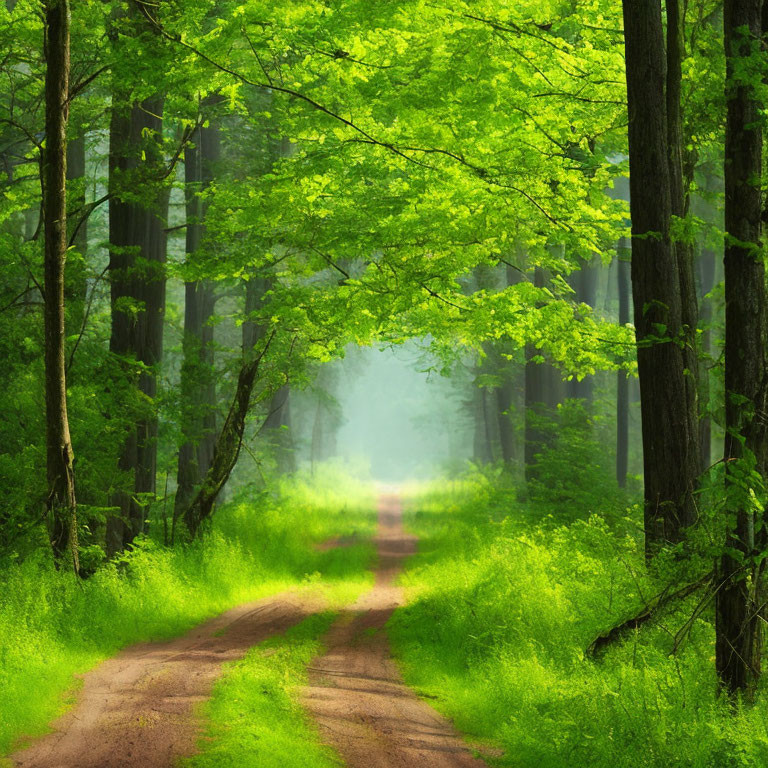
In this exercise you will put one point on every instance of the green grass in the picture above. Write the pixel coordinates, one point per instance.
(502, 604)
(255, 718)
(53, 627)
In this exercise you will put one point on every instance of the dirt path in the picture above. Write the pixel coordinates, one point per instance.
(136, 710)
(356, 693)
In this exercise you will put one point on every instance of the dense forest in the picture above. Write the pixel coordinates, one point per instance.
(383, 383)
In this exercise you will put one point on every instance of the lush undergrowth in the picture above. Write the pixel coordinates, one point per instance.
(503, 603)
(53, 626)
(255, 717)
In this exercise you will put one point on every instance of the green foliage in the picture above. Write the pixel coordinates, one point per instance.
(53, 626)
(501, 611)
(574, 476)
(255, 719)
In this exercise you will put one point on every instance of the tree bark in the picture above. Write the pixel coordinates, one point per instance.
(670, 440)
(230, 439)
(277, 430)
(197, 385)
(61, 501)
(680, 174)
(622, 378)
(584, 283)
(228, 445)
(740, 599)
(543, 392)
(506, 392)
(706, 279)
(137, 279)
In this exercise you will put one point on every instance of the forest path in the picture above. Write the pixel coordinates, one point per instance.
(356, 693)
(136, 709)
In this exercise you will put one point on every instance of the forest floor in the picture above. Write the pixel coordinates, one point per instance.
(139, 709)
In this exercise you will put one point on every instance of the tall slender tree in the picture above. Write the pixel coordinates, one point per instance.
(62, 504)
(622, 377)
(197, 383)
(137, 278)
(584, 283)
(740, 599)
(669, 425)
(681, 167)
(543, 391)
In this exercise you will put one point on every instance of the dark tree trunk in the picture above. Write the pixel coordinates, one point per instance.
(326, 422)
(584, 283)
(706, 278)
(228, 444)
(198, 386)
(230, 439)
(622, 378)
(255, 288)
(277, 430)
(535, 437)
(505, 395)
(670, 438)
(680, 173)
(318, 437)
(739, 602)
(507, 392)
(137, 278)
(543, 392)
(61, 502)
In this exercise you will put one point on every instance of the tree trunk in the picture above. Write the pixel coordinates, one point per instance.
(622, 378)
(137, 278)
(198, 386)
(680, 174)
(230, 439)
(706, 279)
(584, 283)
(61, 502)
(740, 600)
(507, 391)
(228, 445)
(505, 395)
(277, 430)
(543, 392)
(670, 440)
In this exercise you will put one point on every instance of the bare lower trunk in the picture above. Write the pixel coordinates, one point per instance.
(680, 175)
(61, 502)
(706, 283)
(76, 279)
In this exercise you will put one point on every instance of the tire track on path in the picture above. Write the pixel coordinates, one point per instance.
(136, 710)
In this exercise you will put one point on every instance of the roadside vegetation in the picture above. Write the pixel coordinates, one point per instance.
(505, 598)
